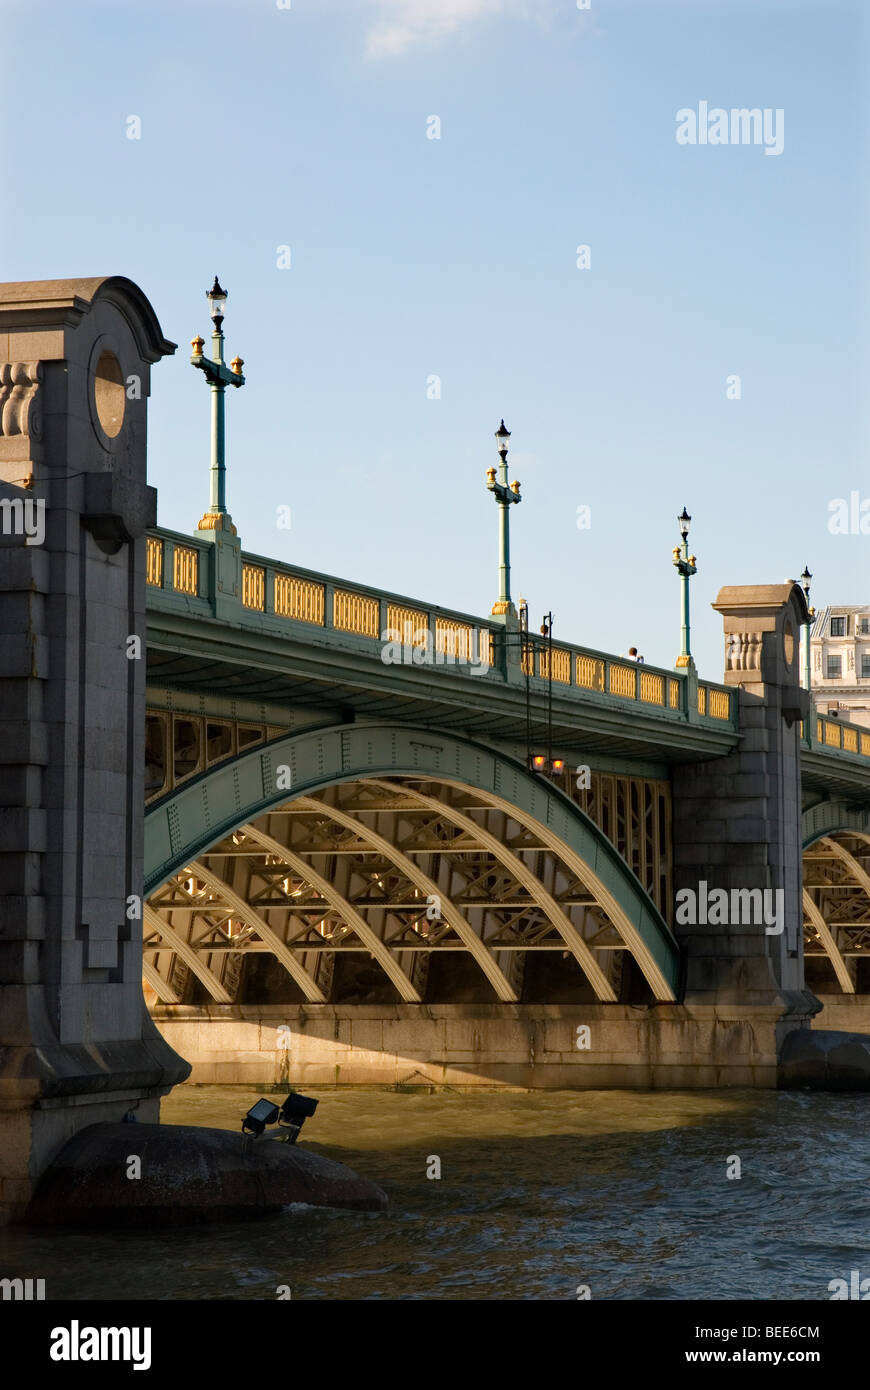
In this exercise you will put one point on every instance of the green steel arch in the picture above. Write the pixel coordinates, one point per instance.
(831, 818)
(196, 816)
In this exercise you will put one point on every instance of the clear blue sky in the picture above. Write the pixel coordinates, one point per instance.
(263, 127)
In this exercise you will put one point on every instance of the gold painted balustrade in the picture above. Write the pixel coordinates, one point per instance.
(275, 592)
(308, 601)
(299, 599)
(355, 613)
(629, 680)
(154, 562)
(833, 733)
(254, 587)
(186, 570)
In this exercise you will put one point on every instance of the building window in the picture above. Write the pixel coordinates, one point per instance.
(864, 626)
(865, 665)
(834, 668)
(838, 627)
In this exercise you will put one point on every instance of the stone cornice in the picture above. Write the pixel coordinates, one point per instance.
(38, 305)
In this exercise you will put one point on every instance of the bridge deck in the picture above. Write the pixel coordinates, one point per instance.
(298, 638)
(302, 638)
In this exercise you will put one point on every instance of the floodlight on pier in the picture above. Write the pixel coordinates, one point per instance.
(290, 1117)
(265, 1112)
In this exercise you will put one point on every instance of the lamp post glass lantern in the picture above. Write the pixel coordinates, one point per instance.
(217, 299)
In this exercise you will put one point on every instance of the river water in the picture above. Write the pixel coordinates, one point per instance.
(540, 1193)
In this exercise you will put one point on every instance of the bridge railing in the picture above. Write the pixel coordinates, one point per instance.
(276, 590)
(821, 733)
(589, 670)
(410, 632)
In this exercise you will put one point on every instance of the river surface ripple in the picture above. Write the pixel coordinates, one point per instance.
(540, 1192)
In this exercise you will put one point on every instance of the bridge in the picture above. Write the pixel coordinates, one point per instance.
(468, 815)
(349, 836)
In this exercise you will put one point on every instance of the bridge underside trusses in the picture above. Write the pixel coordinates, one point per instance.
(836, 901)
(392, 889)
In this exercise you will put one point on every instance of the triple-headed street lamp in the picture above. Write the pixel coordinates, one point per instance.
(504, 495)
(685, 567)
(219, 376)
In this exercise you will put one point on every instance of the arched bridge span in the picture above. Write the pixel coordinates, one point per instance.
(366, 857)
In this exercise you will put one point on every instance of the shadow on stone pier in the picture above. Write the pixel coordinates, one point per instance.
(823, 1060)
(187, 1174)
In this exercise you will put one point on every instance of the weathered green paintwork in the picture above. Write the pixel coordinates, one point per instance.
(504, 496)
(839, 817)
(830, 771)
(246, 654)
(263, 654)
(685, 570)
(218, 376)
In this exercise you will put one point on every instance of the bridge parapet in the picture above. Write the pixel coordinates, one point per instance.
(288, 600)
(834, 759)
(819, 733)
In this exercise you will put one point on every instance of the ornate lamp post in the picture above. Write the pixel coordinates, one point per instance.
(504, 495)
(218, 376)
(805, 584)
(685, 567)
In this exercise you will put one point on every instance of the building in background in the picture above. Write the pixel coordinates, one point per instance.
(840, 661)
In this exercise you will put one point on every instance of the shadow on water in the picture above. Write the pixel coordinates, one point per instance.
(539, 1193)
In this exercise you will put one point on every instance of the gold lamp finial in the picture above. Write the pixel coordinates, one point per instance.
(197, 345)
(237, 364)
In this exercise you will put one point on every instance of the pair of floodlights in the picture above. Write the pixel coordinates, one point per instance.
(290, 1117)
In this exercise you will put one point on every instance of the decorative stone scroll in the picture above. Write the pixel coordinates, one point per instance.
(19, 410)
(743, 651)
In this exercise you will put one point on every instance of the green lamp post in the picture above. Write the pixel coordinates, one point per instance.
(504, 496)
(219, 376)
(685, 567)
(805, 583)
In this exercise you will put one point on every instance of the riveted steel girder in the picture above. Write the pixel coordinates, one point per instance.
(348, 913)
(563, 924)
(176, 942)
(449, 912)
(828, 943)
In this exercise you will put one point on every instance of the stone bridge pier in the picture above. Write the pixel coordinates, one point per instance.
(76, 1044)
(737, 825)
